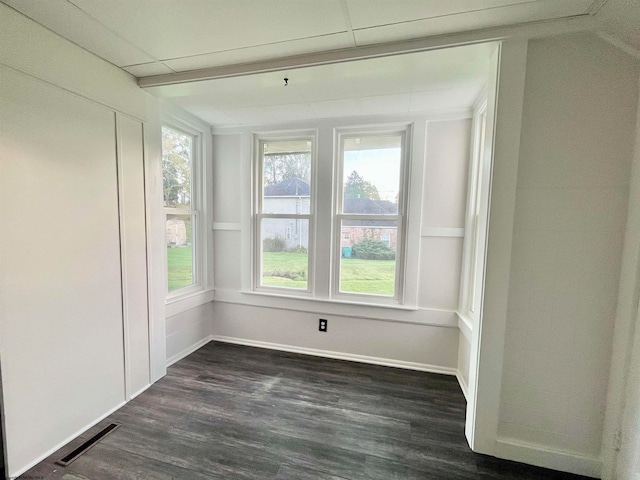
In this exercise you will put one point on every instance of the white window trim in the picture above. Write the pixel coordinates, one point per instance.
(324, 129)
(257, 215)
(469, 260)
(405, 131)
(201, 291)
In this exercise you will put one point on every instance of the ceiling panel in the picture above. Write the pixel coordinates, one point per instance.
(250, 115)
(211, 116)
(290, 113)
(385, 104)
(371, 13)
(435, 100)
(169, 29)
(495, 17)
(73, 24)
(347, 107)
(263, 52)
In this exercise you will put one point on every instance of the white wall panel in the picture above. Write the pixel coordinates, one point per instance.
(445, 179)
(134, 252)
(227, 162)
(188, 331)
(464, 353)
(62, 337)
(571, 202)
(440, 264)
(427, 346)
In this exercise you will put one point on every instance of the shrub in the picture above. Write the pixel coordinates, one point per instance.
(275, 244)
(297, 250)
(370, 249)
(290, 274)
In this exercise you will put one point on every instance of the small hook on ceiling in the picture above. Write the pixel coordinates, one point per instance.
(286, 82)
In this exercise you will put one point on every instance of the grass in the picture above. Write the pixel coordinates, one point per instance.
(357, 276)
(289, 270)
(180, 267)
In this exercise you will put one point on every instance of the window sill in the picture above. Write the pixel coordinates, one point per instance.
(341, 308)
(395, 306)
(182, 303)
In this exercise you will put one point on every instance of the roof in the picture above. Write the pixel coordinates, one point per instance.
(288, 188)
(370, 207)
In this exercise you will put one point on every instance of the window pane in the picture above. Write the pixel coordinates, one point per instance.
(177, 161)
(285, 259)
(286, 176)
(368, 257)
(180, 251)
(371, 174)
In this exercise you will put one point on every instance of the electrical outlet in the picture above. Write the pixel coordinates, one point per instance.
(322, 325)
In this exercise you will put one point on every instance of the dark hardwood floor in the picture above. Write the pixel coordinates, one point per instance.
(229, 411)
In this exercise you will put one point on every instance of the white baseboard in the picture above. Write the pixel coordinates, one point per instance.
(49, 452)
(542, 456)
(463, 385)
(387, 362)
(188, 351)
(142, 390)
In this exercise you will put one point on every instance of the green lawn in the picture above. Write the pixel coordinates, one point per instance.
(285, 269)
(180, 267)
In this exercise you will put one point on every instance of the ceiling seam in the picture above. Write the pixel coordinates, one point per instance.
(596, 6)
(126, 40)
(270, 44)
(460, 13)
(59, 35)
(345, 8)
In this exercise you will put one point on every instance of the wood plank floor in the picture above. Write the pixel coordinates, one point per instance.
(230, 411)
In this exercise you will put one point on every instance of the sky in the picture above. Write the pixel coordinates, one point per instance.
(381, 167)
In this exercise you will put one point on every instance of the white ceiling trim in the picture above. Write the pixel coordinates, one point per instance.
(527, 30)
(341, 121)
(616, 42)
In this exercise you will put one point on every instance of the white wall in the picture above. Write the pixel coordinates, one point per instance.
(74, 338)
(571, 202)
(62, 350)
(622, 421)
(188, 312)
(187, 331)
(424, 338)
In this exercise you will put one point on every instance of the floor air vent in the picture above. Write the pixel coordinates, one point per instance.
(86, 446)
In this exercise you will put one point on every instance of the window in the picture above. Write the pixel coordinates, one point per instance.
(371, 208)
(345, 243)
(284, 209)
(181, 208)
(476, 203)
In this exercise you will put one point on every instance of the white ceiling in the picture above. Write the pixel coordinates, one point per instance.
(155, 37)
(150, 37)
(411, 83)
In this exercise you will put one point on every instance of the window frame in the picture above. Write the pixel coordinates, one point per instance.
(468, 293)
(258, 215)
(340, 134)
(197, 213)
